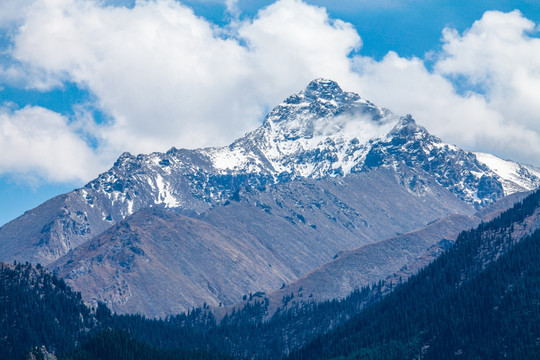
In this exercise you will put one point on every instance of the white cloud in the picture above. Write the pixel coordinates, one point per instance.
(232, 8)
(169, 78)
(12, 11)
(38, 144)
(18, 75)
(500, 55)
(497, 63)
(471, 121)
(292, 43)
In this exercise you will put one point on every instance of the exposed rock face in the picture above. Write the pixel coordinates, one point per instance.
(391, 260)
(160, 262)
(40, 353)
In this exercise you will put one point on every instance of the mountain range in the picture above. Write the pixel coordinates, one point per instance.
(326, 174)
(478, 299)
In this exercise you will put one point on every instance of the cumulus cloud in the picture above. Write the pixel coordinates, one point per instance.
(291, 42)
(166, 77)
(471, 121)
(499, 55)
(39, 144)
(482, 94)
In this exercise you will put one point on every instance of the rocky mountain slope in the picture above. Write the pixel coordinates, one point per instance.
(327, 171)
(478, 300)
(392, 260)
(160, 262)
(514, 177)
(320, 132)
(369, 264)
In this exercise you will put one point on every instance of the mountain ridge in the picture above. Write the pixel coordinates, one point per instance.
(320, 160)
(288, 229)
(321, 131)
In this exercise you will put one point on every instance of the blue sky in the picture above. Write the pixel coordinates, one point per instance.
(82, 81)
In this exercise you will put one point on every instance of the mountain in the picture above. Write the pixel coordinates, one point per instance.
(257, 243)
(369, 264)
(327, 171)
(514, 177)
(393, 260)
(318, 133)
(478, 300)
(497, 250)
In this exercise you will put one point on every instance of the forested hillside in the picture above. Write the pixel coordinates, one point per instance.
(36, 308)
(480, 300)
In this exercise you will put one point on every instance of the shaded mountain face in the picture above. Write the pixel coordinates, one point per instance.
(321, 132)
(392, 260)
(478, 300)
(159, 262)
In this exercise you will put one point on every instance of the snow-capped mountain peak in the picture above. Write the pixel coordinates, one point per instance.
(322, 131)
(323, 109)
(514, 177)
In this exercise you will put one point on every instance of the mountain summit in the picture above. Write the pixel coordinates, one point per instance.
(324, 131)
(321, 131)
